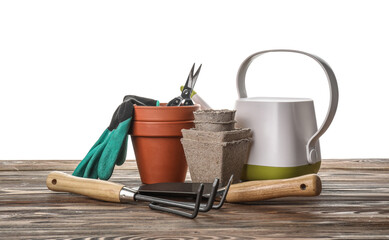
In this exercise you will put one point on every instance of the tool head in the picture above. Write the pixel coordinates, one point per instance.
(192, 78)
(187, 190)
(180, 189)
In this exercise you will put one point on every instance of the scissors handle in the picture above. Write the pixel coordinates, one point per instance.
(178, 102)
(175, 101)
(188, 102)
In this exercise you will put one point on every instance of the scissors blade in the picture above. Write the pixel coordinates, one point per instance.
(195, 76)
(191, 81)
(188, 83)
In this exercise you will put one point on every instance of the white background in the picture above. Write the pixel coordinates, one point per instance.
(66, 65)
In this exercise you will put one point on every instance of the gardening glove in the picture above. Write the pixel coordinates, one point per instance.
(111, 148)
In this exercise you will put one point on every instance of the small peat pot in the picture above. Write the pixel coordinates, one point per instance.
(215, 126)
(216, 154)
(211, 115)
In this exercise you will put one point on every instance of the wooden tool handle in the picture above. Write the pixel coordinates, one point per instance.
(251, 191)
(93, 188)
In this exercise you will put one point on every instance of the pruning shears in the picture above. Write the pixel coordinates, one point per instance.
(185, 99)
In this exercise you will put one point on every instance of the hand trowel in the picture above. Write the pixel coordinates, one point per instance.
(308, 185)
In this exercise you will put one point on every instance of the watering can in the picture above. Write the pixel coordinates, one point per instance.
(285, 136)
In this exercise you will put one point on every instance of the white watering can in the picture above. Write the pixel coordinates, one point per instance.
(285, 136)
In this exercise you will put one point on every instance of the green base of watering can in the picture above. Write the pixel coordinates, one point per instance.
(255, 172)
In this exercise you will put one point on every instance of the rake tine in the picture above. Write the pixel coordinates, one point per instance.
(209, 205)
(195, 208)
(223, 198)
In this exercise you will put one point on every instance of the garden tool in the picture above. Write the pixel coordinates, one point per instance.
(114, 192)
(185, 98)
(111, 147)
(285, 135)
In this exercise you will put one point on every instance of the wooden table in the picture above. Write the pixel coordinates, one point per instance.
(354, 204)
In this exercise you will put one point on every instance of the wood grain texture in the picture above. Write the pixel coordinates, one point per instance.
(307, 185)
(354, 204)
(93, 188)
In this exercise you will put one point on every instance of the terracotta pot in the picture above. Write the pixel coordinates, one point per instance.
(156, 134)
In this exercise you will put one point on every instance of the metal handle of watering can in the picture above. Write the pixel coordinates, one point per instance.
(334, 94)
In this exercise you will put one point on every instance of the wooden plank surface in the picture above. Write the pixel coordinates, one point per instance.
(354, 204)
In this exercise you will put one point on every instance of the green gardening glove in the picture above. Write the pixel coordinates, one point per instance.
(111, 148)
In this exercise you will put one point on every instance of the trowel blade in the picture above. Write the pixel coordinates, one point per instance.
(174, 189)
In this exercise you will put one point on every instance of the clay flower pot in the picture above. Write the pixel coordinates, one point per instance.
(156, 134)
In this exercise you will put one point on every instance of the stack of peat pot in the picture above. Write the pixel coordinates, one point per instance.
(214, 148)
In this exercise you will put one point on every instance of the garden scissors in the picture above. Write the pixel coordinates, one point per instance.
(184, 98)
